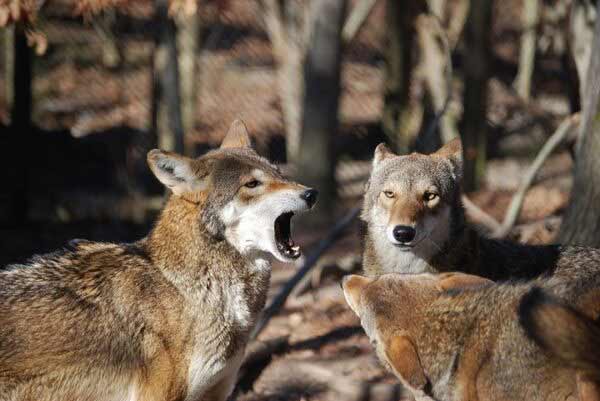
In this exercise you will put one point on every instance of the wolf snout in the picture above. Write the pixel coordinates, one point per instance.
(310, 196)
(404, 233)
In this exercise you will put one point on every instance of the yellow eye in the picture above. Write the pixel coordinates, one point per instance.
(388, 194)
(429, 196)
(252, 184)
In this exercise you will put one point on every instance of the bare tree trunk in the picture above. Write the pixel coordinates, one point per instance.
(452, 18)
(106, 27)
(581, 34)
(522, 82)
(581, 222)
(316, 157)
(291, 85)
(166, 107)
(14, 201)
(9, 64)
(356, 19)
(476, 73)
(437, 8)
(436, 70)
(398, 55)
(287, 26)
(457, 21)
(22, 76)
(188, 35)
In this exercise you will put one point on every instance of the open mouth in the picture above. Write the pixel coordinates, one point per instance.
(283, 237)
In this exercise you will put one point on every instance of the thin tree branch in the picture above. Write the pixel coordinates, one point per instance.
(522, 82)
(433, 125)
(356, 19)
(479, 216)
(516, 203)
(273, 19)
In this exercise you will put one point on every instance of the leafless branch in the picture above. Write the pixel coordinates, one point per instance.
(501, 230)
(522, 82)
(448, 77)
(356, 19)
(516, 203)
(480, 217)
(272, 15)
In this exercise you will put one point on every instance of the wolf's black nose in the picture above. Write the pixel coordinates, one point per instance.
(404, 233)
(310, 196)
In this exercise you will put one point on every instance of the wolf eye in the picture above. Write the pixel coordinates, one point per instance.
(429, 196)
(389, 194)
(252, 184)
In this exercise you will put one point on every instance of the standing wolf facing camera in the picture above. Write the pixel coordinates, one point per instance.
(415, 223)
(164, 318)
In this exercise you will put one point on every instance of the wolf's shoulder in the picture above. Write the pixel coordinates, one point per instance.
(575, 261)
(578, 254)
(79, 260)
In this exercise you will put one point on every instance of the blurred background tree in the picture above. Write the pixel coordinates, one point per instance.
(581, 222)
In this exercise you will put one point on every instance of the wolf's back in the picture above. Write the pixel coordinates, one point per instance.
(562, 330)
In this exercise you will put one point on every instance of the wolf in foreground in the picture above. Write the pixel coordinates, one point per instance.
(167, 317)
(567, 334)
(415, 223)
(455, 336)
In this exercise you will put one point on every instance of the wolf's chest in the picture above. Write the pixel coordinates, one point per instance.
(395, 260)
(236, 306)
(206, 370)
(243, 300)
(228, 314)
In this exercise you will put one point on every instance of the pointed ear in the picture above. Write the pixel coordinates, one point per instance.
(403, 358)
(460, 281)
(451, 149)
(353, 286)
(453, 152)
(179, 173)
(237, 136)
(382, 152)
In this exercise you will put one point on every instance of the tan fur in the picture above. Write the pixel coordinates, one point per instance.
(567, 334)
(163, 319)
(238, 136)
(398, 193)
(459, 337)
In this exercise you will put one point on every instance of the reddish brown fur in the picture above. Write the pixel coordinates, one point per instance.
(405, 212)
(456, 336)
(165, 318)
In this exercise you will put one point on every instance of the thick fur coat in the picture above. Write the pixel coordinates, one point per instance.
(166, 318)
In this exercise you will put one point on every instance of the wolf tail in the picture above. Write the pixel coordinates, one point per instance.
(562, 330)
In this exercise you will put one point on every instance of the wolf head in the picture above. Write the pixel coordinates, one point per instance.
(391, 309)
(240, 196)
(409, 200)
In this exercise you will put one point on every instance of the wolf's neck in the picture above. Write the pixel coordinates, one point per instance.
(182, 247)
(441, 342)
